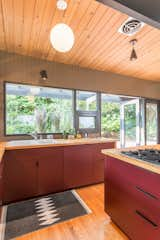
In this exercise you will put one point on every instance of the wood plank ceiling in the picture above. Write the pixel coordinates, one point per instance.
(25, 27)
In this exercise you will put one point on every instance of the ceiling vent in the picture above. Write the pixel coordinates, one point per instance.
(131, 26)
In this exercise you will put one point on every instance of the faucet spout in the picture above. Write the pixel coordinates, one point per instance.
(34, 135)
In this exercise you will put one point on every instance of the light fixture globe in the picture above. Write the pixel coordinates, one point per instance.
(61, 5)
(62, 37)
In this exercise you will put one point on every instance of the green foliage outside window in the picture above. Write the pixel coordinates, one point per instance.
(110, 119)
(27, 114)
(130, 122)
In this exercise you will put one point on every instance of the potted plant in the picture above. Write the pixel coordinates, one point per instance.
(65, 134)
(71, 134)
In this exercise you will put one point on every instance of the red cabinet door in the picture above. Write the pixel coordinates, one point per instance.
(98, 160)
(50, 170)
(1, 186)
(19, 175)
(78, 166)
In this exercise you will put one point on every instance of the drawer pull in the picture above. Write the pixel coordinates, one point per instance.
(37, 164)
(147, 193)
(146, 218)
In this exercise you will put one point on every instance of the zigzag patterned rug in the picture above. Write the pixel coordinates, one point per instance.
(31, 215)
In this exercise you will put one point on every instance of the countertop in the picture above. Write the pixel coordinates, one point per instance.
(116, 153)
(26, 144)
(19, 144)
(2, 150)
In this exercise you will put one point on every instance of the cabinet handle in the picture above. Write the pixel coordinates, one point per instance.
(37, 164)
(146, 218)
(146, 193)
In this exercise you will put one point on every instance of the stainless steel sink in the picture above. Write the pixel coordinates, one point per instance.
(31, 142)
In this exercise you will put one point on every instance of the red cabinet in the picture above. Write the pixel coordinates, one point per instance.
(98, 160)
(39, 171)
(84, 164)
(78, 166)
(131, 200)
(1, 185)
(19, 175)
(50, 170)
(32, 172)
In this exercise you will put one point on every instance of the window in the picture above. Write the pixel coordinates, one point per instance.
(130, 124)
(86, 101)
(40, 109)
(151, 123)
(45, 110)
(110, 116)
(87, 114)
(87, 122)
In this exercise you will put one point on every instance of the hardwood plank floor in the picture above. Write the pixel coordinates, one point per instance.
(94, 226)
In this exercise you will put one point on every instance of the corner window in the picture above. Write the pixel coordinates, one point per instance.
(40, 109)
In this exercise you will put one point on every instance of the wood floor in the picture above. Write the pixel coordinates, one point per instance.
(94, 226)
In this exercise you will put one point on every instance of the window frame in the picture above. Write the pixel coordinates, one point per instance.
(79, 110)
(154, 101)
(84, 113)
(77, 113)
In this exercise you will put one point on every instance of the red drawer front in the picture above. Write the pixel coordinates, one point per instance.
(141, 226)
(130, 215)
(148, 181)
(147, 200)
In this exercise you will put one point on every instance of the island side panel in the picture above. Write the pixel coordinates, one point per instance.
(127, 201)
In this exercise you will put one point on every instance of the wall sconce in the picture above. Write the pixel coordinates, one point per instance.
(43, 75)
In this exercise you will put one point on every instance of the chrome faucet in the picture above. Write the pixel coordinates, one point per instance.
(34, 135)
(86, 135)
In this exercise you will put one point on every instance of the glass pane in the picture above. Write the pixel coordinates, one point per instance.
(130, 124)
(86, 101)
(86, 122)
(110, 116)
(41, 109)
(151, 123)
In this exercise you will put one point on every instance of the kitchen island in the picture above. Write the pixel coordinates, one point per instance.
(31, 168)
(132, 193)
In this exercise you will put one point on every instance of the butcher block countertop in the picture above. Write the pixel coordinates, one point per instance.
(2, 149)
(42, 143)
(116, 153)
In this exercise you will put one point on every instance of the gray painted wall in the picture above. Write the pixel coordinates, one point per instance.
(21, 69)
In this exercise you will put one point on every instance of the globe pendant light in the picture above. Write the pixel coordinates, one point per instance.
(62, 37)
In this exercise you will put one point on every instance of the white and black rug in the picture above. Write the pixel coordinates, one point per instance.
(31, 215)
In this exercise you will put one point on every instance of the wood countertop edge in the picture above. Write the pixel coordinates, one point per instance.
(115, 153)
(4, 147)
(60, 144)
(2, 150)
